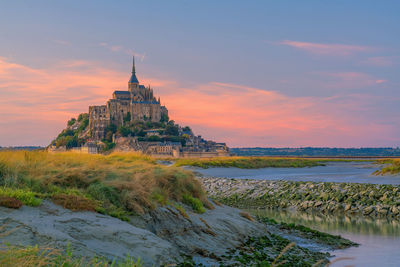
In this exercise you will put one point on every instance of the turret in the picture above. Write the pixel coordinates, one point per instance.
(133, 81)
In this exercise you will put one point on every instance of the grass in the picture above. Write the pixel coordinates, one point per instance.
(246, 216)
(249, 162)
(119, 183)
(195, 203)
(27, 197)
(50, 257)
(392, 167)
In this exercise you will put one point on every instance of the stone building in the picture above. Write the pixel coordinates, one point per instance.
(138, 103)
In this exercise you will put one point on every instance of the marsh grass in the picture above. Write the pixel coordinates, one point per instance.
(118, 183)
(51, 257)
(249, 162)
(392, 166)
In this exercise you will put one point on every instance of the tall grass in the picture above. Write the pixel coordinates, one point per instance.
(119, 180)
(51, 257)
(249, 162)
(392, 167)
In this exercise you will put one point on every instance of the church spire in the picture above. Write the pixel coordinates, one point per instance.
(133, 64)
(133, 78)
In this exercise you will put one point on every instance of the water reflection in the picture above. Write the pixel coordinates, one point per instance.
(335, 223)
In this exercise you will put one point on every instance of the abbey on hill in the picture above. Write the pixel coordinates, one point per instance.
(134, 120)
(138, 103)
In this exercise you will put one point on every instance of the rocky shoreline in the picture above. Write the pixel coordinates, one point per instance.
(222, 236)
(325, 197)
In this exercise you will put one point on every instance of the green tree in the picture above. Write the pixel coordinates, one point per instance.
(127, 117)
(172, 130)
(164, 118)
(186, 129)
(123, 130)
(71, 122)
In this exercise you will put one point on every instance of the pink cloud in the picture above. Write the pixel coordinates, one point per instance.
(245, 116)
(35, 105)
(327, 49)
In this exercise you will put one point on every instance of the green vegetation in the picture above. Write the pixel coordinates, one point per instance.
(27, 197)
(334, 241)
(392, 167)
(273, 250)
(116, 184)
(50, 257)
(71, 138)
(249, 162)
(195, 203)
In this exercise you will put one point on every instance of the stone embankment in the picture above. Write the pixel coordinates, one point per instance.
(349, 198)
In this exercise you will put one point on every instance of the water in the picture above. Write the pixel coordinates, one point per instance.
(355, 172)
(379, 239)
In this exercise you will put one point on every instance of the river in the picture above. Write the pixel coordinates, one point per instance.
(341, 172)
(379, 239)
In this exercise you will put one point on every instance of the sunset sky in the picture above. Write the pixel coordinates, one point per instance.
(248, 73)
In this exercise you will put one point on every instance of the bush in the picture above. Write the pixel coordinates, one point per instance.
(195, 203)
(104, 193)
(74, 202)
(84, 124)
(27, 197)
(71, 122)
(123, 130)
(10, 202)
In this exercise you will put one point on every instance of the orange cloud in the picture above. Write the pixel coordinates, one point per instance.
(35, 105)
(327, 49)
(245, 116)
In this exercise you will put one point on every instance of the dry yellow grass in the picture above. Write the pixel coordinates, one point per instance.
(247, 216)
(129, 180)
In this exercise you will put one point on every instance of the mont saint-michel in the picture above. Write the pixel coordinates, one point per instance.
(134, 120)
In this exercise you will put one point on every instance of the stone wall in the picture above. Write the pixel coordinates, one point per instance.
(99, 119)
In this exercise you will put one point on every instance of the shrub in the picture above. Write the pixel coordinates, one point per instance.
(74, 202)
(104, 193)
(27, 197)
(195, 203)
(71, 122)
(10, 202)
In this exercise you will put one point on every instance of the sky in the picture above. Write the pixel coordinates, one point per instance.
(248, 73)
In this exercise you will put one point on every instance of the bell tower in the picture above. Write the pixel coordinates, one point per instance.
(133, 81)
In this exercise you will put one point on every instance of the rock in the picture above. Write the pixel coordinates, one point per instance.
(395, 210)
(368, 210)
(347, 207)
(88, 233)
(158, 238)
(381, 210)
(318, 204)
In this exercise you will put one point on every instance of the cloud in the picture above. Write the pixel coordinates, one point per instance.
(327, 49)
(36, 108)
(122, 49)
(246, 116)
